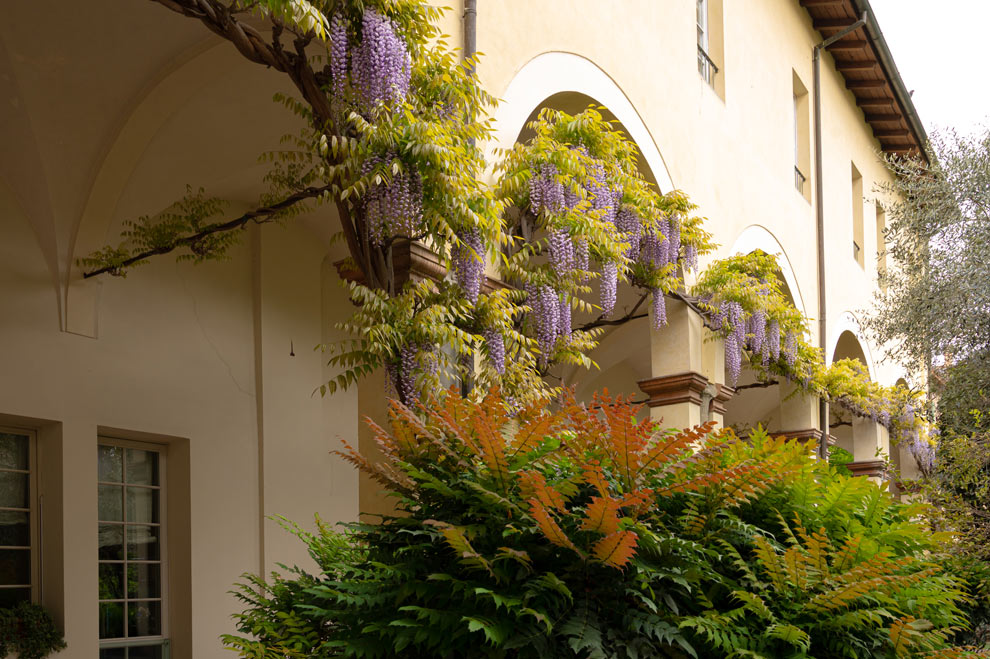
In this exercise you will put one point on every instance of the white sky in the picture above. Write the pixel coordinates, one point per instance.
(942, 49)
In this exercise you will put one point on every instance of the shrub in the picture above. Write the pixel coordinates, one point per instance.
(588, 532)
(28, 630)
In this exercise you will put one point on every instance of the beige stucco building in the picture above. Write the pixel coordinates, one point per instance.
(152, 423)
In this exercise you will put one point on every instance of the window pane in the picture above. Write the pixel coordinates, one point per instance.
(146, 652)
(144, 580)
(142, 505)
(111, 581)
(144, 618)
(14, 490)
(142, 543)
(110, 464)
(113, 653)
(13, 596)
(142, 467)
(15, 529)
(111, 506)
(13, 451)
(111, 619)
(15, 567)
(111, 542)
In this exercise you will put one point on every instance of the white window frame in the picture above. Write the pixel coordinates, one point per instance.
(161, 450)
(34, 518)
(702, 20)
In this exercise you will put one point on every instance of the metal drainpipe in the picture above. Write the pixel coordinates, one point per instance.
(470, 28)
(470, 48)
(820, 213)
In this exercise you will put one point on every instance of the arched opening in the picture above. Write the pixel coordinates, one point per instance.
(774, 405)
(623, 353)
(847, 429)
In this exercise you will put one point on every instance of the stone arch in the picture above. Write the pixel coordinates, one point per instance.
(759, 237)
(558, 72)
(847, 329)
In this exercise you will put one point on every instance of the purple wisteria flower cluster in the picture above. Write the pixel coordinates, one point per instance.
(469, 263)
(753, 331)
(495, 343)
(380, 66)
(402, 375)
(551, 316)
(394, 207)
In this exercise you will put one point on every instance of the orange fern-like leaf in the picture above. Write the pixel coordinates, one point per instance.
(548, 525)
(492, 446)
(533, 485)
(616, 549)
(601, 515)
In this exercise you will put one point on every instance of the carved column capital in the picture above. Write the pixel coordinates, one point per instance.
(672, 389)
(868, 468)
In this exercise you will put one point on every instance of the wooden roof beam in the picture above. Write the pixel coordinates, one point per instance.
(820, 3)
(884, 133)
(866, 84)
(847, 44)
(832, 23)
(850, 67)
(874, 118)
(875, 103)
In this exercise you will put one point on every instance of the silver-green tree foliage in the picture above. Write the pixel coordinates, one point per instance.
(393, 124)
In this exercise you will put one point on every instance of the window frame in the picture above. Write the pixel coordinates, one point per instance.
(163, 638)
(33, 510)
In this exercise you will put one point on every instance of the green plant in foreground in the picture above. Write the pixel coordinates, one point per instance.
(588, 532)
(28, 630)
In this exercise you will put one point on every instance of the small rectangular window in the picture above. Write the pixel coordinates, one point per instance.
(18, 526)
(881, 247)
(802, 137)
(131, 533)
(709, 27)
(857, 215)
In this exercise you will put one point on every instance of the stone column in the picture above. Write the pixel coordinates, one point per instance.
(868, 438)
(683, 391)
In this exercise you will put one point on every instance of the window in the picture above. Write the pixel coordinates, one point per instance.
(131, 547)
(857, 215)
(802, 144)
(18, 528)
(881, 248)
(709, 26)
(706, 67)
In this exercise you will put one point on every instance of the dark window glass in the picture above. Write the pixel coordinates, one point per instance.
(144, 618)
(15, 567)
(15, 490)
(111, 619)
(15, 529)
(111, 538)
(14, 451)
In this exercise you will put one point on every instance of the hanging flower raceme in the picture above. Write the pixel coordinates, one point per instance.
(380, 66)
(691, 256)
(468, 257)
(609, 287)
(758, 330)
(561, 252)
(338, 54)
(546, 193)
(545, 304)
(392, 207)
(790, 348)
(735, 340)
(773, 339)
(658, 311)
(627, 222)
(564, 317)
(495, 344)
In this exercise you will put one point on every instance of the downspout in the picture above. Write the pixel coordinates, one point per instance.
(820, 214)
(470, 19)
(470, 29)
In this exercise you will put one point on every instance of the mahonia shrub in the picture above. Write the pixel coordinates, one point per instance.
(588, 531)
